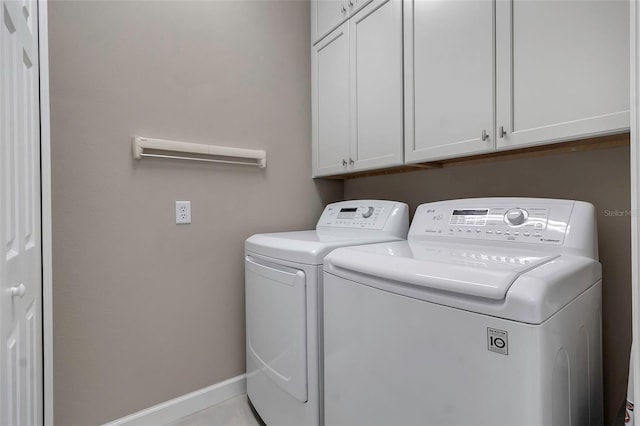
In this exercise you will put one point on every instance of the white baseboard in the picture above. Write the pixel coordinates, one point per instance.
(185, 405)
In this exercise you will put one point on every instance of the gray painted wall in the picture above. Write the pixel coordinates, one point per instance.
(145, 310)
(600, 177)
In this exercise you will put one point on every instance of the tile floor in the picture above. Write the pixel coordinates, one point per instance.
(232, 412)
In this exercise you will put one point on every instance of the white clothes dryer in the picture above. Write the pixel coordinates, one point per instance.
(283, 277)
(489, 314)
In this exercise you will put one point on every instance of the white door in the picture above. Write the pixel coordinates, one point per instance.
(376, 86)
(21, 388)
(562, 70)
(330, 103)
(449, 78)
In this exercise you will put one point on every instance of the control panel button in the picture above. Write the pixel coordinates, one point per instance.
(368, 213)
(516, 216)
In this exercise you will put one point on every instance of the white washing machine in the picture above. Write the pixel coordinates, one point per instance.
(283, 277)
(489, 314)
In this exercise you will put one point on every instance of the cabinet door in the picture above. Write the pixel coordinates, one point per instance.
(376, 85)
(449, 78)
(562, 70)
(327, 15)
(356, 5)
(330, 103)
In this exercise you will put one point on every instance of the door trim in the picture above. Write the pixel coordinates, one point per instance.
(635, 192)
(45, 170)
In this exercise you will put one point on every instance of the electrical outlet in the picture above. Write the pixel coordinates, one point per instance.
(183, 212)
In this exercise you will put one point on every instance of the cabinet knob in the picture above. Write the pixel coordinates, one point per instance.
(485, 135)
(344, 163)
(351, 3)
(351, 161)
(502, 132)
(343, 9)
(18, 291)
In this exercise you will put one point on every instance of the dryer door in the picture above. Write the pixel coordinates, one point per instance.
(276, 324)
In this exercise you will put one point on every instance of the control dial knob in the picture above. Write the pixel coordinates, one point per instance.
(368, 213)
(516, 216)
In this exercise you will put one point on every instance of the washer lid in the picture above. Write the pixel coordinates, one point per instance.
(472, 270)
(311, 247)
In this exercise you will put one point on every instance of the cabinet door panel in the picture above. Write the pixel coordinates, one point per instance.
(563, 70)
(330, 103)
(356, 5)
(376, 85)
(327, 15)
(449, 78)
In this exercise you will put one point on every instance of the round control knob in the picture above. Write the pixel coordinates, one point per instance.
(368, 213)
(516, 216)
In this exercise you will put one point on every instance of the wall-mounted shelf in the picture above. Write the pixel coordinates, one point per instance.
(161, 148)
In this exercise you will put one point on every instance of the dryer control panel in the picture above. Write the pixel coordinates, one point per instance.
(526, 220)
(364, 214)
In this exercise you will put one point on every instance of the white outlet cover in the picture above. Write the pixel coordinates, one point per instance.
(183, 212)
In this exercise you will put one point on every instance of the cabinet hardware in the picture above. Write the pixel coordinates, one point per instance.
(343, 9)
(351, 3)
(503, 132)
(344, 163)
(18, 291)
(485, 135)
(351, 161)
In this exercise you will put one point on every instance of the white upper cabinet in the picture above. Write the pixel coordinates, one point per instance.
(562, 70)
(357, 106)
(449, 78)
(326, 15)
(376, 86)
(330, 103)
(482, 75)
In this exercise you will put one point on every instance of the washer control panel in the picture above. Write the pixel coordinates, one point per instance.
(541, 221)
(365, 214)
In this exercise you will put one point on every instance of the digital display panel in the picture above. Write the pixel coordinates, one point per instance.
(347, 213)
(470, 212)
(469, 217)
